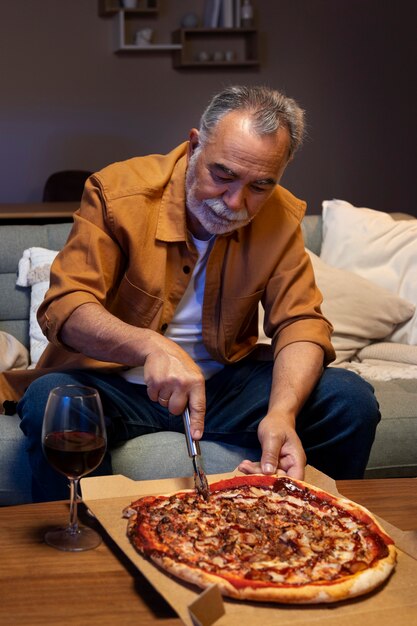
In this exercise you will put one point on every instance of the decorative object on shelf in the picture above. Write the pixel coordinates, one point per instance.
(229, 56)
(107, 8)
(237, 16)
(203, 56)
(212, 13)
(190, 20)
(144, 37)
(246, 14)
(227, 15)
(218, 56)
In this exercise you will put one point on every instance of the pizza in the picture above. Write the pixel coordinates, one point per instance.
(264, 538)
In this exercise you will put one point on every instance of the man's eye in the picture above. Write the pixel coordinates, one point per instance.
(221, 179)
(257, 189)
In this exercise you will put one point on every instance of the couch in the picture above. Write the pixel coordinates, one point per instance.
(394, 453)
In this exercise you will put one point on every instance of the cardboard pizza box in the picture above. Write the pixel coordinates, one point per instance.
(394, 603)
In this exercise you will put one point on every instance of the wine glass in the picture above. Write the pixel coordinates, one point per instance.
(74, 442)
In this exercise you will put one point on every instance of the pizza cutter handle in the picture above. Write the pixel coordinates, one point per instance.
(193, 446)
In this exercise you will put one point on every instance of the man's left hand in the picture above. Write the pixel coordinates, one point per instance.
(282, 450)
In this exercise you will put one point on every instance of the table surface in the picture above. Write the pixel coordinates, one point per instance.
(44, 211)
(40, 585)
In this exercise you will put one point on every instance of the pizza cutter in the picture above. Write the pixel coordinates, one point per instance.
(193, 447)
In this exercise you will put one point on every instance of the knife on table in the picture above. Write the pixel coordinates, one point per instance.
(193, 447)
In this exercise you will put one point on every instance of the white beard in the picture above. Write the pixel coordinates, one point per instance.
(213, 214)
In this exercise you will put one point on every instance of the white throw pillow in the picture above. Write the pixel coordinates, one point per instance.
(377, 247)
(360, 311)
(34, 270)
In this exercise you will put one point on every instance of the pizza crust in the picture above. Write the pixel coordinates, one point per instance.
(348, 586)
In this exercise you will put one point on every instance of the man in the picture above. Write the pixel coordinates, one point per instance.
(154, 301)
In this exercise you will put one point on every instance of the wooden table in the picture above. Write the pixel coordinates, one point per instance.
(37, 212)
(40, 585)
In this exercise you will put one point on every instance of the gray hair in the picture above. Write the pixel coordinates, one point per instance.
(268, 108)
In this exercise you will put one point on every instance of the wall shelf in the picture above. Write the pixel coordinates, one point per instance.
(192, 48)
(163, 47)
(111, 7)
(125, 39)
(223, 47)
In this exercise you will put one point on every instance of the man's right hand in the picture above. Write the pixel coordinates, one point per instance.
(175, 381)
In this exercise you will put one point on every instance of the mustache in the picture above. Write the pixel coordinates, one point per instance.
(221, 209)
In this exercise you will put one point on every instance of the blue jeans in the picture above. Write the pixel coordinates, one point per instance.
(336, 425)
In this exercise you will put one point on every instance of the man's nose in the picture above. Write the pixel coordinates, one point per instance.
(234, 197)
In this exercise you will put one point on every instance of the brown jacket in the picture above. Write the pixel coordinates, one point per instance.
(129, 250)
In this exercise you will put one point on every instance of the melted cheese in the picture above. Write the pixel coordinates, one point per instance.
(261, 533)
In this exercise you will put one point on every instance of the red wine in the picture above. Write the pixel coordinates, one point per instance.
(74, 453)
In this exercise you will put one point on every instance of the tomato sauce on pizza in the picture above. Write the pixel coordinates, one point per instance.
(265, 538)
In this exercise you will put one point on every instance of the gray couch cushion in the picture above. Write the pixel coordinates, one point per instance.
(14, 310)
(394, 453)
(15, 472)
(311, 228)
(15, 239)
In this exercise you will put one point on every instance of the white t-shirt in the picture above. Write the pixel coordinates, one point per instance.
(185, 327)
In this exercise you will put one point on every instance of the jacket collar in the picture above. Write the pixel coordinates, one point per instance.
(172, 224)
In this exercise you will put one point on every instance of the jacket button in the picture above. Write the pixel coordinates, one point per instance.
(164, 327)
(186, 269)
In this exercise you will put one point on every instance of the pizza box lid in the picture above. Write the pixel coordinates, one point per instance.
(395, 602)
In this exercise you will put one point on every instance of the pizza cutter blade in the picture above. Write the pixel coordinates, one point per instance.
(193, 447)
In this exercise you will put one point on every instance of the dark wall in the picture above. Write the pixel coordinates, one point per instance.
(67, 101)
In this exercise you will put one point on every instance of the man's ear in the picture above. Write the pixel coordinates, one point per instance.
(194, 141)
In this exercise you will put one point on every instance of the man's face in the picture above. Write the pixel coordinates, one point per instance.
(231, 177)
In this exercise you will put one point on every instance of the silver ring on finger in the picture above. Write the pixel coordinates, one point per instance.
(162, 400)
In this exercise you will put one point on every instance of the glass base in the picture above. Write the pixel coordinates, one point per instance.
(71, 540)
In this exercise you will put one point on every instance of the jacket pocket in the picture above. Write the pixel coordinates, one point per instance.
(239, 320)
(135, 306)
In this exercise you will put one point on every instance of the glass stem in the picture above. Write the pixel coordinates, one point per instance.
(73, 523)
